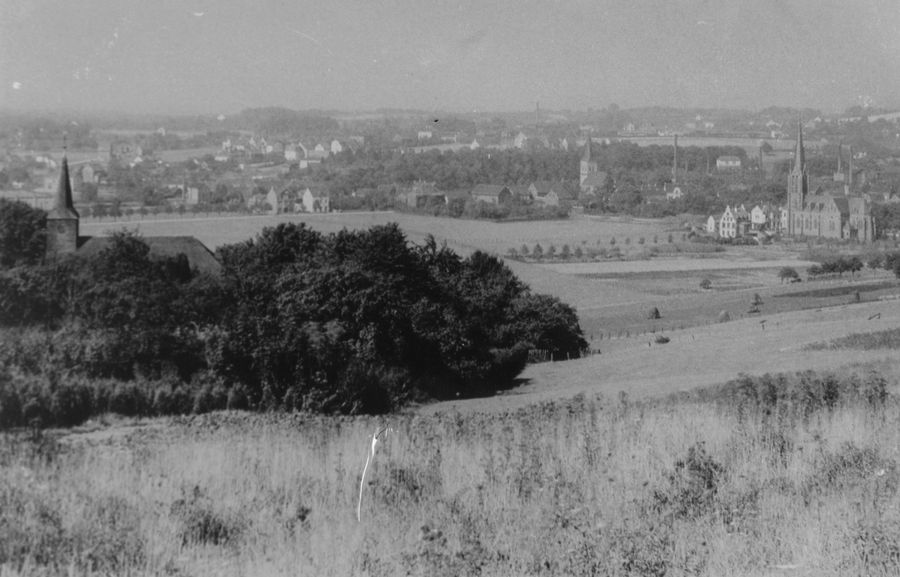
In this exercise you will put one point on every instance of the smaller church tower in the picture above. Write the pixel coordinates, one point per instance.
(798, 185)
(588, 164)
(62, 220)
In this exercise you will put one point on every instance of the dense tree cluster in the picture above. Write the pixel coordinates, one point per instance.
(361, 321)
(462, 170)
(348, 322)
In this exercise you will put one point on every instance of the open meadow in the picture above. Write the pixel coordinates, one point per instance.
(784, 475)
(765, 445)
(612, 297)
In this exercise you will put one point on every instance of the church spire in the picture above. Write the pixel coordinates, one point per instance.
(586, 157)
(799, 154)
(63, 206)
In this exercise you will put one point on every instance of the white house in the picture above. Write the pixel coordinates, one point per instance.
(711, 224)
(318, 153)
(674, 194)
(272, 200)
(758, 218)
(336, 147)
(314, 203)
(294, 152)
(728, 224)
(728, 163)
(520, 140)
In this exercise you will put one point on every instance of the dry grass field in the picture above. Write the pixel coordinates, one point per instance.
(632, 462)
(568, 488)
(703, 356)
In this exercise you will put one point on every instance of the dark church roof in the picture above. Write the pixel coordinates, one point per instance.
(199, 257)
(63, 207)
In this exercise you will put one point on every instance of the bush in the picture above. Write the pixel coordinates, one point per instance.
(129, 399)
(237, 399)
(10, 403)
(653, 313)
(210, 397)
(692, 485)
(200, 523)
(72, 403)
(706, 284)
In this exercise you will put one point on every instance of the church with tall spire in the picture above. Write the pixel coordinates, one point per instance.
(63, 238)
(844, 216)
(62, 220)
(591, 179)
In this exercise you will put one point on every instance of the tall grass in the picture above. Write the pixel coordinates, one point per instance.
(799, 471)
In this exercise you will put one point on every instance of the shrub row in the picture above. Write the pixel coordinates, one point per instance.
(42, 402)
(804, 392)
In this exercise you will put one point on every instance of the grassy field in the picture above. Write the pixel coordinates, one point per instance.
(611, 297)
(735, 487)
(462, 235)
(632, 462)
(702, 356)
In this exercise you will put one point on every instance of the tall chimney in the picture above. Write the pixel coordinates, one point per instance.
(675, 162)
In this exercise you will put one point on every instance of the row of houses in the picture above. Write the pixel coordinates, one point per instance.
(292, 151)
(737, 221)
(542, 193)
(289, 200)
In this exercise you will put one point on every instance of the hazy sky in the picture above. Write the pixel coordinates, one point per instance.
(215, 56)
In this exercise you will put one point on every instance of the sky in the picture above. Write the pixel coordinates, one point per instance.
(221, 56)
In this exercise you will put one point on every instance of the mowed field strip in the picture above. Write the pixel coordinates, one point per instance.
(462, 235)
(700, 356)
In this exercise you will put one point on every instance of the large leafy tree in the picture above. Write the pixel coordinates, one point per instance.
(22, 234)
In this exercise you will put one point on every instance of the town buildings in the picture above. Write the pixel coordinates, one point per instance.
(832, 211)
(824, 215)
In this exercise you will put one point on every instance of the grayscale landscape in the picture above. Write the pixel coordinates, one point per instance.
(538, 288)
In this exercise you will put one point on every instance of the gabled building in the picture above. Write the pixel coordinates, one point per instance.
(492, 193)
(315, 202)
(758, 218)
(423, 195)
(546, 193)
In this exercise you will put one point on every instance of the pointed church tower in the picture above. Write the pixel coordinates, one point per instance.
(62, 220)
(588, 164)
(798, 185)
